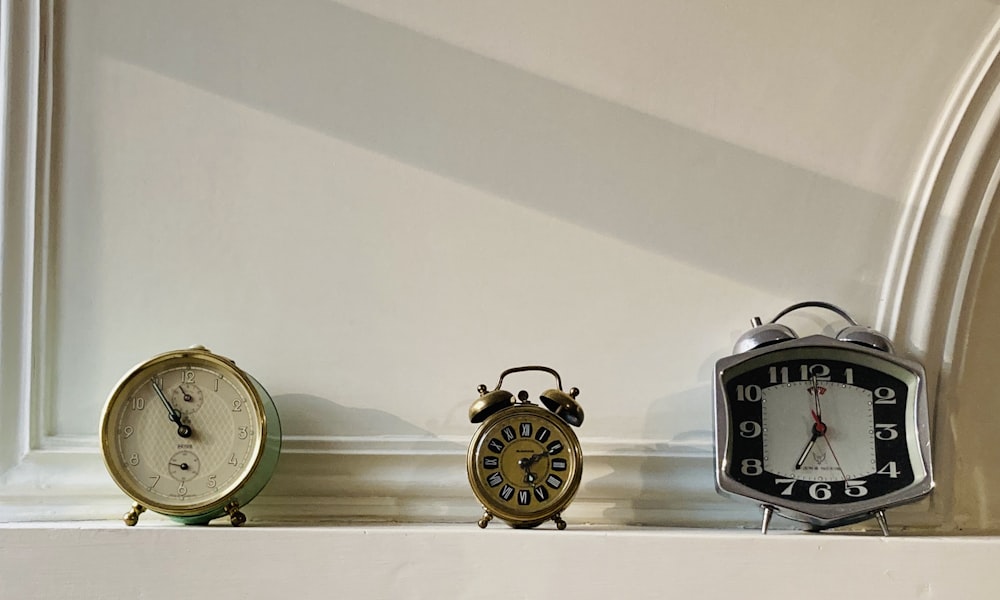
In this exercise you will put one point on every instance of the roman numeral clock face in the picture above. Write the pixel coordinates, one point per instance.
(524, 465)
(825, 434)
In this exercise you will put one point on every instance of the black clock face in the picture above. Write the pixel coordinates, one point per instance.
(821, 426)
(524, 464)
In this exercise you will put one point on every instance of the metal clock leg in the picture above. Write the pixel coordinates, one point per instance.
(560, 524)
(766, 520)
(882, 523)
(236, 517)
(487, 517)
(132, 516)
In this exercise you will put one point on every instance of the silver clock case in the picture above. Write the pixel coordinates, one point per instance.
(819, 515)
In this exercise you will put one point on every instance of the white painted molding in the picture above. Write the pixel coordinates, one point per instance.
(320, 479)
(25, 28)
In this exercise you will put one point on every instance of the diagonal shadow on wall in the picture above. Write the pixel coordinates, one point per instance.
(527, 139)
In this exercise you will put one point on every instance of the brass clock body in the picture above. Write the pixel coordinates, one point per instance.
(525, 462)
(190, 435)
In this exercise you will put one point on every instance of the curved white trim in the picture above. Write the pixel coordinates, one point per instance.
(929, 267)
(934, 272)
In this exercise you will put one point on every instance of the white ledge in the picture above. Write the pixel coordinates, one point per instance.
(163, 560)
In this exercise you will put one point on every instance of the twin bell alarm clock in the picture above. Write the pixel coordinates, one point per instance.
(823, 430)
(525, 462)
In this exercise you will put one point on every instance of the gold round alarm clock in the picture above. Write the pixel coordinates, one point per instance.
(525, 462)
(190, 435)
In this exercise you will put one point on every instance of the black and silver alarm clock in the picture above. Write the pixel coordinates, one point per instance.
(822, 430)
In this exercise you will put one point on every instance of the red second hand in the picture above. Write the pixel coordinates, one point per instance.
(821, 429)
(835, 459)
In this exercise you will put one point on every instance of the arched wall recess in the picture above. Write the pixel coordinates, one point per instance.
(938, 277)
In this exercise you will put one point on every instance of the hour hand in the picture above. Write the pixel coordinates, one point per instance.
(172, 413)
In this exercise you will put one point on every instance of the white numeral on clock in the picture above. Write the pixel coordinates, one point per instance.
(788, 489)
(855, 488)
(820, 491)
(889, 469)
(751, 467)
(886, 431)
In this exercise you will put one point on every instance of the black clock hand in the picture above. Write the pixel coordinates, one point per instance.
(183, 466)
(815, 390)
(819, 428)
(172, 413)
(537, 457)
(805, 451)
(187, 396)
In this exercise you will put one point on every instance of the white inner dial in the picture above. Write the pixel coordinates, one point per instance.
(818, 431)
(176, 471)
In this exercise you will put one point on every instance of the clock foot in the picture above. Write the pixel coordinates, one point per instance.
(560, 524)
(882, 523)
(766, 519)
(487, 517)
(236, 517)
(132, 516)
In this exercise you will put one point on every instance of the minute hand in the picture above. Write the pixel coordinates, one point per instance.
(172, 413)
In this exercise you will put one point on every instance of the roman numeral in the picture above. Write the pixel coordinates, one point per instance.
(523, 497)
(495, 479)
(555, 447)
(491, 462)
(554, 481)
(526, 430)
(506, 492)
(496, 445)
(558, 464)
(541, 493)
(542, 434)
(508, 433)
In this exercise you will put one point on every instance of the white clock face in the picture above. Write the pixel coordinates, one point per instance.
(791, 448)
(182, 434)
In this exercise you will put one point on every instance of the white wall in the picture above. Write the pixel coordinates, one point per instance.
(376, 206)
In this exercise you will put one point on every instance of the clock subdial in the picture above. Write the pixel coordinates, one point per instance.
(187, 398)
(184, 466)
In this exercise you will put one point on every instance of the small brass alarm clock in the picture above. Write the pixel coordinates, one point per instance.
(524, 461)
(825, 431)
(190, 435)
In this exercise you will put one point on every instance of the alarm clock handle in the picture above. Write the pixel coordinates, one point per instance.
(816, 304)
(548, 370)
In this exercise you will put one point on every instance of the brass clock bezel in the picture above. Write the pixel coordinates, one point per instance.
(516, 518)
(136, 376)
